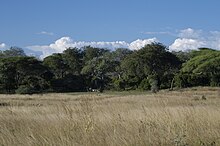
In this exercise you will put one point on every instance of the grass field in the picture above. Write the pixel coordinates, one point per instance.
(181, 118)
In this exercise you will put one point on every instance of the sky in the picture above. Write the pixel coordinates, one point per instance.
(49, 26)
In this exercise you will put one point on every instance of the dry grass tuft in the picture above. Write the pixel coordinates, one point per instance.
(181, 118)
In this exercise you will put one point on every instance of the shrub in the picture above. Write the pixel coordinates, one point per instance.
(144, 85)
(154, 82)
(25, 89)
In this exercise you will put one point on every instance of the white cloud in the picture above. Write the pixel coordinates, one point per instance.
(65, 42)
(2, 45)
(136, 45)
(191, 39)
(184, 44)
(190, 33)
(46, 33)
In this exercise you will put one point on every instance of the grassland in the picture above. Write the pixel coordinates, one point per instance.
(181, 118)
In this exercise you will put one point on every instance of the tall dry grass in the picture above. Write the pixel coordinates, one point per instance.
(181, 118)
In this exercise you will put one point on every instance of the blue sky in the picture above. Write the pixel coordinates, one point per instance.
(40, 23)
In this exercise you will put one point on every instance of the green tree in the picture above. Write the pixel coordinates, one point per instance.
(98, 71)
(20, 71)
(73, 59)
(183, 56)
(91, 52)
(14, 52)
(203, 68)
(57, 65)
(152, 62)
(8, 75)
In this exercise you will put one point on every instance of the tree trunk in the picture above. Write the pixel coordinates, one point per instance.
(172, 82)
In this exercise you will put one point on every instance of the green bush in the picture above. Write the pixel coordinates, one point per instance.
(154, 83)
(24, 89)
(183, 80)
(144, 85)
(215, 80)
(119, 84)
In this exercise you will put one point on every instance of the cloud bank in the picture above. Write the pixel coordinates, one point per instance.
(191, 39)
(187, 39)
(65, 42)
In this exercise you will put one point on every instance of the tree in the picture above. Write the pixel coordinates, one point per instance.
(91, 52)
(152, 62)
(73, 59)
(22, 71)
(69, 83)
(98, 71)
(56, 64)
(8, 75)
(183, 56)
(2, 54)
(202, 69)
(14, 52)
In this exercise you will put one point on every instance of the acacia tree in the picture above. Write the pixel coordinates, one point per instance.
(25, 74)
(151, 62)
(73, 59)
(98, 70)
(202, 69)
(91, 52)
(56, 64)
(8, 75)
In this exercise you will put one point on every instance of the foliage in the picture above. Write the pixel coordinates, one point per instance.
(152, 67)
(18, 71)
(151, 60)
(56, 64)
(14, 52)
(70, 83)
(202, 69)
(144, 85)
(72, 57)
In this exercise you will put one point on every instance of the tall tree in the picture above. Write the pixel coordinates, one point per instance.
(27, 72)
(14, 52)
(98, 71)
(152, 62)
(56, 64)
(73, 59)
(91, 52)
(8, 75)
(202, 69)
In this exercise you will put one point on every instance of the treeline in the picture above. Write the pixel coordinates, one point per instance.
(151, 68)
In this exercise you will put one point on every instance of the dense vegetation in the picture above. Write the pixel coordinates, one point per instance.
(151, 68)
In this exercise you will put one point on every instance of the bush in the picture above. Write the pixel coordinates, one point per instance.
(154, 82)
(183, 80)
(24, 89)
(69, 83)
(119, 84)
(215, 80)
(144, 85)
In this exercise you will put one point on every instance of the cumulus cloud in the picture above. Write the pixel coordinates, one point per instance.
(191, 39)
(188, 39)
(65, 42)
(184, 44)
(136, 45)
(2, 45)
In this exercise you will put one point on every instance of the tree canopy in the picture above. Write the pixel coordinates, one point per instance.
(153, 67)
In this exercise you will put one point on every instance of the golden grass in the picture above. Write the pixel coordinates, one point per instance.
(112, 119)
